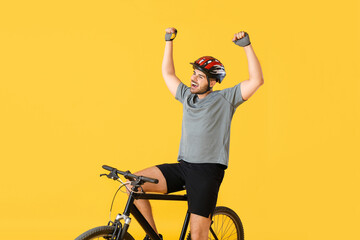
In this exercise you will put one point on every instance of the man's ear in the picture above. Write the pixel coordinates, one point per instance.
(212, 82)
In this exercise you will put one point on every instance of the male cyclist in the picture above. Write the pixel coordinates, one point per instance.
(204, 145)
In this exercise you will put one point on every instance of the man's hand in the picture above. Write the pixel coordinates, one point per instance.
(241, 39)
(170, 34)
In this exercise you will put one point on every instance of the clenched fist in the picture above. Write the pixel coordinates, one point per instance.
(241, 39)
(170, 34)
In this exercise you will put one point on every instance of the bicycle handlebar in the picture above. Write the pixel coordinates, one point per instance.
(131, 176)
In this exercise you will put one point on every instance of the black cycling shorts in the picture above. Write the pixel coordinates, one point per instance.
(201, 180)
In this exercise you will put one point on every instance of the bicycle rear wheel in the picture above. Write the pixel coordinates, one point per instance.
(99, 233)
(226, 225)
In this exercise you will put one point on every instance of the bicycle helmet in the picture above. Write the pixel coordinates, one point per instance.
(212, 67)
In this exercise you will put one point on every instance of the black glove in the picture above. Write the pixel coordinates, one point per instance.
(243, 41)
(170, 36)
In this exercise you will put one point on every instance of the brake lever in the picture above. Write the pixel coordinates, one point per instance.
(112, 175)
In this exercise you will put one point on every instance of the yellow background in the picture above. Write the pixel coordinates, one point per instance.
(81, 86)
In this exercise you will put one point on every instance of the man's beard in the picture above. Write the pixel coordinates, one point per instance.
(199, 90)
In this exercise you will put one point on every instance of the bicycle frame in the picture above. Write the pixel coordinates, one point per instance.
(130, 208)
(118, 230)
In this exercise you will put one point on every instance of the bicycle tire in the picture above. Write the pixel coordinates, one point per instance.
(103, 232)
(226, 224)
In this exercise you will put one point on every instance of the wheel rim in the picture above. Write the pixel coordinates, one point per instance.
(224, 228)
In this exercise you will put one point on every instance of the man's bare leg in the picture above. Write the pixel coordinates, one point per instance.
(199, 227)
(144, 205)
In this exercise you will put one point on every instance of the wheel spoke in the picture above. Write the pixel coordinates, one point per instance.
(228, 225)
(224, 227)
(232, 233)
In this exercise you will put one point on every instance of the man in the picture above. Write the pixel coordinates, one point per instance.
(204, 145)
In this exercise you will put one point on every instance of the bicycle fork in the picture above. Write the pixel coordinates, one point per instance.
(132, 209)
(121, 230)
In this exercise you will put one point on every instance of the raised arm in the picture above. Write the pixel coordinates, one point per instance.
(249, 87)
(168, 69)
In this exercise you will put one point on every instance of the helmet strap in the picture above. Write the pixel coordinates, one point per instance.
(208, 88)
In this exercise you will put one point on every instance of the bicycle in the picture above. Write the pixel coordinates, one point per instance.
(226, 224)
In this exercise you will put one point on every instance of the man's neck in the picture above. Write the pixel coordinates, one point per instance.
(201, 96)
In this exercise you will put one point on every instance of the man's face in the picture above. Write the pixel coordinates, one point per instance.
(199, 82)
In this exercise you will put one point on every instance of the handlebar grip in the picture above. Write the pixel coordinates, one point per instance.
(128, 174)
(107, 168)
(150, 180)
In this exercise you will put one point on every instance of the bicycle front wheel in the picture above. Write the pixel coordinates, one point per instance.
(226, 225)
(103, 232)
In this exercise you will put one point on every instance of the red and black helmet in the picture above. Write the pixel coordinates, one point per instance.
(212, 67)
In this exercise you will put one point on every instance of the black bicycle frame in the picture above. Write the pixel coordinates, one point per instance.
(132, 209)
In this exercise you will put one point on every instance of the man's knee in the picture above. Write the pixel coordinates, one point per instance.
(199, 234)
(199, 227)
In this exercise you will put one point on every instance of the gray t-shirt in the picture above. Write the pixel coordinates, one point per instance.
(206, 124)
